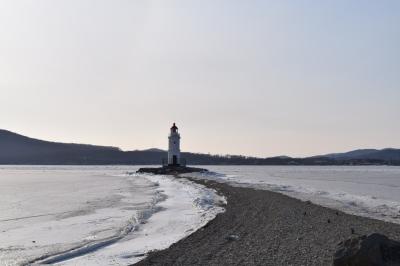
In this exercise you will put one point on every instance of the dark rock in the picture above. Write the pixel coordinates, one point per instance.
(371, 250)
(171, 170)
(329, 221)
(352, 231)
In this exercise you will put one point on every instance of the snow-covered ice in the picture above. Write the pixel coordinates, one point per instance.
(371, 191)
(105, 215)
(88, 215)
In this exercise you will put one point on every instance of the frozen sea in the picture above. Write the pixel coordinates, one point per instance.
(107, 215)
(370, 191)
(95, 215)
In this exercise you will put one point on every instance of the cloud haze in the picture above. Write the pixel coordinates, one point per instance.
(244, 77)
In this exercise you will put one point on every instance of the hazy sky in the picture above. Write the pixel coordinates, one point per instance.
(240, 77)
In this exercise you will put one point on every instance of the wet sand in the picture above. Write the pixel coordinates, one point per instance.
(262, 227)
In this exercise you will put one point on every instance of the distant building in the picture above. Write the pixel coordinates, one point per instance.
(174, 151)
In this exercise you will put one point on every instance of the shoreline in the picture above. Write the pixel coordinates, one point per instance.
(261, 227)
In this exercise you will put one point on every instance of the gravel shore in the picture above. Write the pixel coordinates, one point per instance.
(267, 228)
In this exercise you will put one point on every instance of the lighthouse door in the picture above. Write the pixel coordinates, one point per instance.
(174, 160)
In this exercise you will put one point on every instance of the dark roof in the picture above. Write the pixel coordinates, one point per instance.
(174, 127)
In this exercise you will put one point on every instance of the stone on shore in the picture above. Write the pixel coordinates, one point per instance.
(371, 250)
(232, 237)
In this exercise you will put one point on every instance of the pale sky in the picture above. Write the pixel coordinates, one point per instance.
(248, 77)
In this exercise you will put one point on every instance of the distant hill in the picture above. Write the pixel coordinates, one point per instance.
(18, 149)
(156, 150)
(15, 148)
(388, 154)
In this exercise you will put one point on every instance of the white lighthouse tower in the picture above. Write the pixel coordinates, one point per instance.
(174, 151)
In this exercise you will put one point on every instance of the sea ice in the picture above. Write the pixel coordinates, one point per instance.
(371, 191)
(95, 215)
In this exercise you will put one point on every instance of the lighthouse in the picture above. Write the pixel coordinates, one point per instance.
(174, 151)
(174, 164)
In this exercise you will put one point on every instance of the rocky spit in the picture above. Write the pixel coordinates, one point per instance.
(267, 228)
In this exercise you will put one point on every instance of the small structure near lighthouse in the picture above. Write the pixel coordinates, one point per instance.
(174, 150)
(174, 164)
